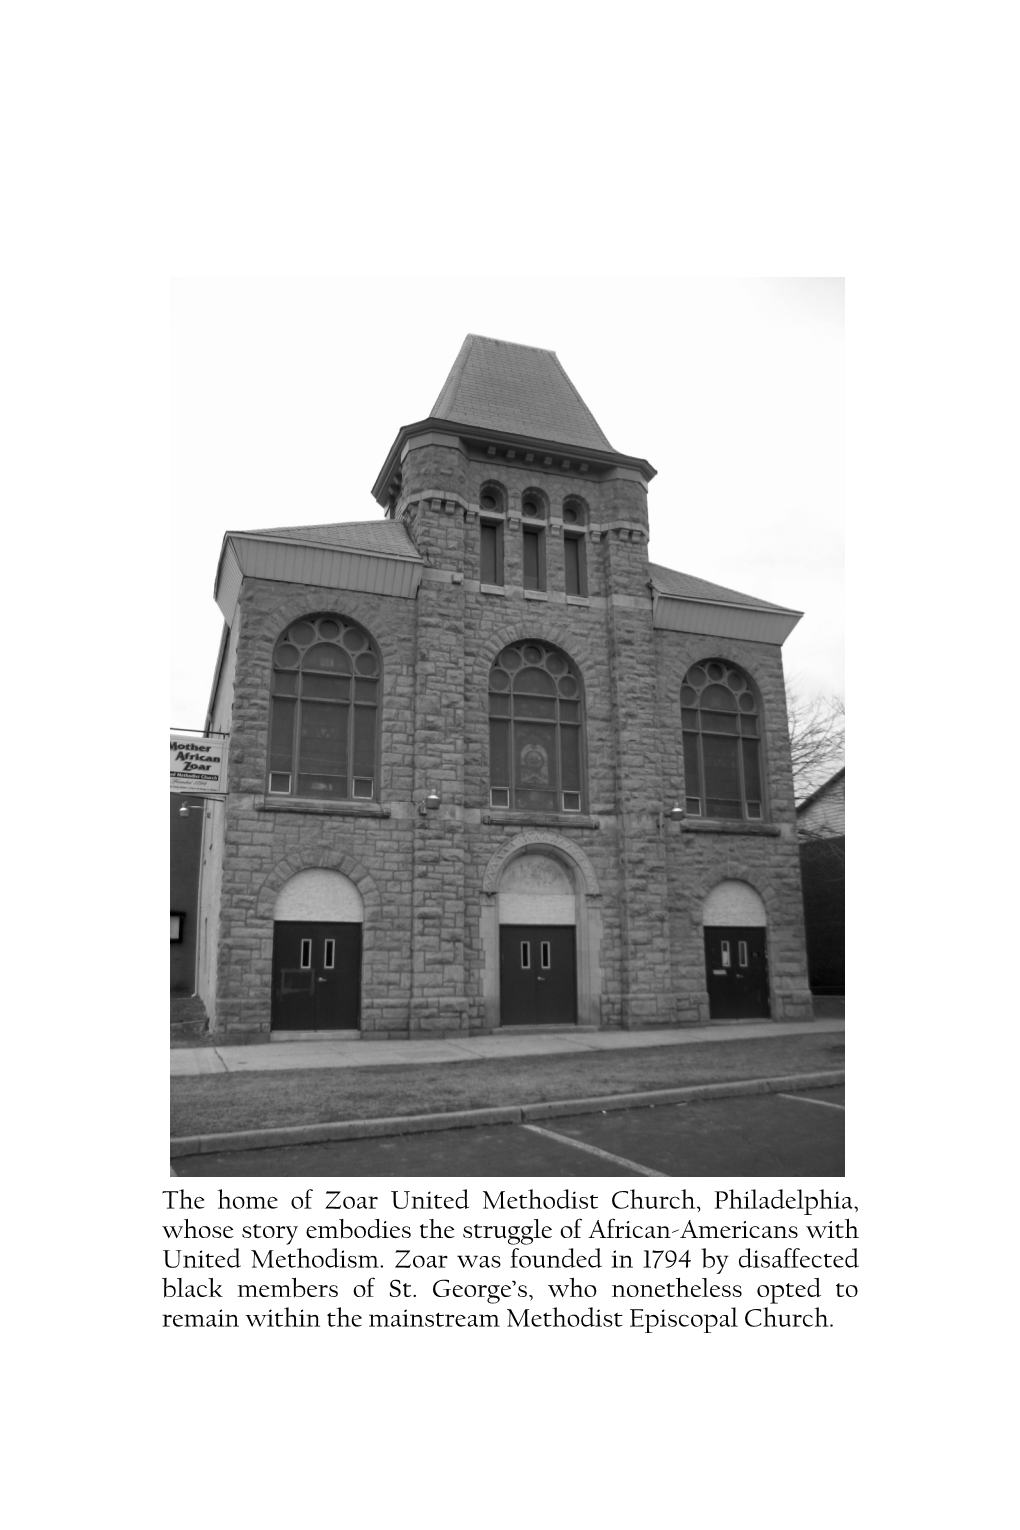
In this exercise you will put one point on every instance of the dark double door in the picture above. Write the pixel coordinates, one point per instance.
(736, 964)
(316, 976)
(537, 974)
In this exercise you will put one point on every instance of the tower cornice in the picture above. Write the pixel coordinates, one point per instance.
(549, 455)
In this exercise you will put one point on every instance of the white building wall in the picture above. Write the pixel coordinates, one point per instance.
(827, 813)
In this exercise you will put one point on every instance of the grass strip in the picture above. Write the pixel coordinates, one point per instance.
(224, 1102)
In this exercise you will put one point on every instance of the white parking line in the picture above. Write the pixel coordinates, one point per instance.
(586, 1147)
(829, 1104)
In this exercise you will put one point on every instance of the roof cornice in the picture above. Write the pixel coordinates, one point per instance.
(380, 489)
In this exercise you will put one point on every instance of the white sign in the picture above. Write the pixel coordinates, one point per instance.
(198, 764)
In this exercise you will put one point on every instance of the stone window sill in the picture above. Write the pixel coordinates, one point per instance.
(492, 589)
(536, 594)
(540, 820)
(350, 809)
(578, 600)
(727, 826)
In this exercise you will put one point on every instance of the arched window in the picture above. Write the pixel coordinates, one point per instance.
(534, 508)
(534, 731)
(324, 726)
(492, 505)
(575, 574)
(722, 748)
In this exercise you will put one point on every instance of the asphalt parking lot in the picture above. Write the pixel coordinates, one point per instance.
(765, 1134)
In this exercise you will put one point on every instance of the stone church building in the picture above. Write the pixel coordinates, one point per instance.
(488, 765)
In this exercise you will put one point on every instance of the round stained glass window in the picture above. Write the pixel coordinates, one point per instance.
(365, 664)
(329, 630)
(303, 633)
(696, 675)
(735, 681)
(715, 671)
(353, 640)
(555, 665)
(498, 681)
(532, 655)
(747, 702)
(570, 515)
(287, 656)
(510, 659)
(488, 501)
(688, 696)
(568, 686)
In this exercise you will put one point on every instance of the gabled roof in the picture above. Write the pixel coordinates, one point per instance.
(377, 557)
(683, 603)
(670, 581)
(362, 536)
(823, 790)
(519, 389)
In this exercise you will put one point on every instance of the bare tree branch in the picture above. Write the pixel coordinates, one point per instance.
(816, 738)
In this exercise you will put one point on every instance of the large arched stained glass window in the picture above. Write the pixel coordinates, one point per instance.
(325, 706)
(722, 748)
(535, 748)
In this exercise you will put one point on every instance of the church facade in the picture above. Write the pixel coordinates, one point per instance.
(488, 765)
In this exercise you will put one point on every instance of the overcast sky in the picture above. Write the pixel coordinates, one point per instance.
(284, 397)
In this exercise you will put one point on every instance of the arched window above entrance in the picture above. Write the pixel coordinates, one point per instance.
(536, 889)
(722, 743)
(535, 730)
(734, 903)
(320, 894)
(323, 731)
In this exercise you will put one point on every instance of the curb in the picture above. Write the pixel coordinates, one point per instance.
(496, 1115)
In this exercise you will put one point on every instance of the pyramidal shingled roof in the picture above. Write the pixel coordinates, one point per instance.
(497, 385)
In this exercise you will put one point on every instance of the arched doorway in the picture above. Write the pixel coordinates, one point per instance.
(317, 953)
(736, 954)
(537, 942)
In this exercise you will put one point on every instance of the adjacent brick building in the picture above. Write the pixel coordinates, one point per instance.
(488, 765)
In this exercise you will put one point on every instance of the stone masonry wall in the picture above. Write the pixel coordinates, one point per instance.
(421, 875)
(265, 844)
(703, 854)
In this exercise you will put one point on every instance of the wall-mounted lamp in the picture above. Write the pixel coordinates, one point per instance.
(430, 803)
(676, 814)
(183, 809)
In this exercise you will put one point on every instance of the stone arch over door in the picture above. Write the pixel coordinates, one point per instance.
(288, 868)
(569, 880)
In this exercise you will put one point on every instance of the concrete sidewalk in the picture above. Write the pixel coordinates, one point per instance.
(190, 1061)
